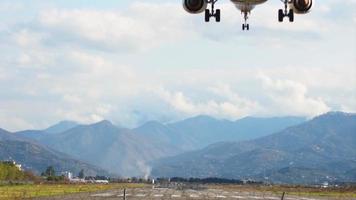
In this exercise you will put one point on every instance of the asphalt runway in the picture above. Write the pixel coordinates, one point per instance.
(173, 194)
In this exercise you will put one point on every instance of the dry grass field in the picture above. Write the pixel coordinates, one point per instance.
(10, 192)
(147, 192)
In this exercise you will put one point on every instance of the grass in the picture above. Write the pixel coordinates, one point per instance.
(10, 192)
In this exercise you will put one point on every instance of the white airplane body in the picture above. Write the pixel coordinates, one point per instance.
(246, 6)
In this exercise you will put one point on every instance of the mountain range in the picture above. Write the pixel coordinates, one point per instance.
(280, 150)
(322, 149)
(36, 157)
(127, 152)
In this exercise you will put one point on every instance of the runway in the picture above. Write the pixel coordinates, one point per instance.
(169, 194)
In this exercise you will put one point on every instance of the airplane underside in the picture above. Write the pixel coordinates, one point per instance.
(246, 6)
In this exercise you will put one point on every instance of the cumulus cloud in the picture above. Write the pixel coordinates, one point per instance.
(229, 105)
(152, 61)
(141, 27)
(292, 97)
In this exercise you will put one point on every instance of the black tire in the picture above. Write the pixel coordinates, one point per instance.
(291, 15)
(243, 27)
(217, 15)
(280, 15)
(207, 15)
(248, 27)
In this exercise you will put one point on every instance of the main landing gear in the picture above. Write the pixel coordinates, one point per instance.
(212, 12)
(285, 13)
(246, 26)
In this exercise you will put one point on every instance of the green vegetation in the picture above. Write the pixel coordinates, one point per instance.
(50, 175)
(81, 174)
(10, 192)
(49, 171)
(9, 172)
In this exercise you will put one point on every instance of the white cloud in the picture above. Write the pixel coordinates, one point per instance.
(10, 123)
(11, 6)
(229, 105)
(141, 27)
(90, 64)
(292, 97)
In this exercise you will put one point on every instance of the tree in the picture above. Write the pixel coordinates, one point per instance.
(49, 171)
(81, 174)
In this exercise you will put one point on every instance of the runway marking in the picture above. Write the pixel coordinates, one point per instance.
(256, 197)
(237, 197)
(221, 196)
(103, 195)
(158, 195)
(121, 195)
(194, 196)
(176, 196)
(273, 198)
(140, 195)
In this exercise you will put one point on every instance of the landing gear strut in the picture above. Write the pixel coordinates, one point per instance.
(212, 12)
(285, 13)
(245, 26)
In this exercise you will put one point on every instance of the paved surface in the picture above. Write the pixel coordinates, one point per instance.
(172, 194)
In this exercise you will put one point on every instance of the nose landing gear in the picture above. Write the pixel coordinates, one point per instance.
(285, 13)
(212, 12)
(245, 26)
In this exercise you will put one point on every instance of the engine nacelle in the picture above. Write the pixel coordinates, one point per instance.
(195, 6)
(301, 6)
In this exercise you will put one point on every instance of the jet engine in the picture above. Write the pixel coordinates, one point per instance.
(195, 6)
(301, 6)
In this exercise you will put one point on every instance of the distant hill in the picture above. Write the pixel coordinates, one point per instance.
(323, 148)
(115, 149)
(200, 131)
(37, 158)
(55, 129)
(61, 127)
(128, 152)
(5, 135)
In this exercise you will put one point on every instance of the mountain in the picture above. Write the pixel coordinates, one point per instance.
(61, 127)
(323, 148)
(37, 158)
(55, 129)
(200, 131)
(5, 135)
(128, 151)
(117, 150)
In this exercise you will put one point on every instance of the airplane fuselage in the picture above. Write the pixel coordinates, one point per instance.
(247, 5)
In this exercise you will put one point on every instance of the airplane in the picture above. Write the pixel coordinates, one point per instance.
(245, 6)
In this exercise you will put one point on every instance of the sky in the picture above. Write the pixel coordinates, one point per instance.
(135, 61)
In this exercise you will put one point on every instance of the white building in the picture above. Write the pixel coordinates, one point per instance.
(68, 175)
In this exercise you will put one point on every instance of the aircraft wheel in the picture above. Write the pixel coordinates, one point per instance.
(247, 26)
(280, 15)
(207, 15)
(217, 15)
(291, 15)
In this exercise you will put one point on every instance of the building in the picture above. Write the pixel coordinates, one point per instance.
(12, 162)
(68, 175)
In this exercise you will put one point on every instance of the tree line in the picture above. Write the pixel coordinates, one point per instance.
(10, 172)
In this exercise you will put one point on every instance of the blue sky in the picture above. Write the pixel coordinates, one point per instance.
(134, 61)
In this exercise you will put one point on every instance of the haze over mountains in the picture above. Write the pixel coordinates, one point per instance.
(128, 152)
(323, 149)
(37, 158)
(283, 149)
